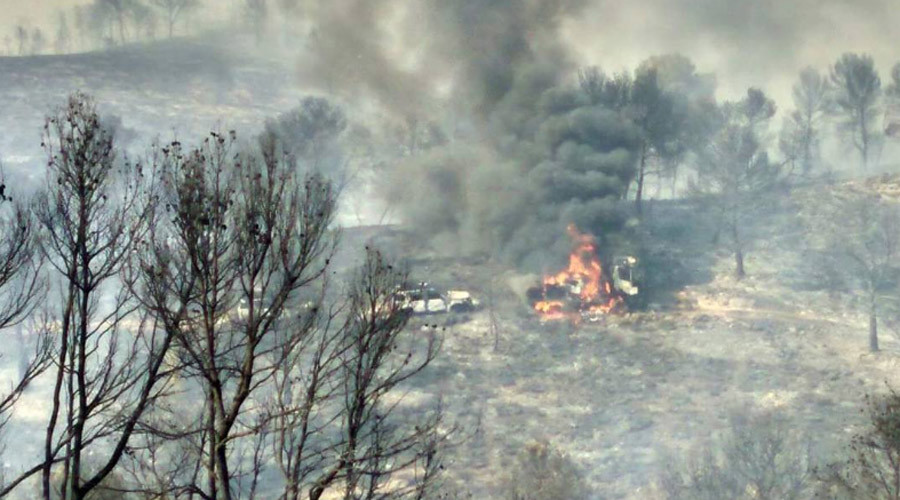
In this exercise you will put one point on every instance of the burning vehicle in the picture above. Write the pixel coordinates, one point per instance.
(586, 289)
(425, 299)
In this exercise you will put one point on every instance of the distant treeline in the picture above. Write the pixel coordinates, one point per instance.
(109, 23)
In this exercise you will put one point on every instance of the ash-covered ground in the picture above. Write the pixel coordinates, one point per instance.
(627, 396)
(171, 89)
(623, 397)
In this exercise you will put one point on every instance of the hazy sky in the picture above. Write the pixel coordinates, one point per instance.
(33, 12)
(745, 42)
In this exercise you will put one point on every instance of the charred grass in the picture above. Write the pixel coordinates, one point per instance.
(624, 395)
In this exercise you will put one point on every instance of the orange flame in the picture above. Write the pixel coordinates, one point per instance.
(584, 279)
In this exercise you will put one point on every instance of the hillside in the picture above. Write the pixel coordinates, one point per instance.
(623, 395)
(161, 89)
(620, 396)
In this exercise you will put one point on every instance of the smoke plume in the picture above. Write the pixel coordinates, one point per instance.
(525, 154)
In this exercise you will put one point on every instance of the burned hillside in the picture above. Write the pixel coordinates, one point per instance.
(449, 249)
(624, 394)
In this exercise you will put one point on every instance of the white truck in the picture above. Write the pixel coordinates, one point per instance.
(425, 299)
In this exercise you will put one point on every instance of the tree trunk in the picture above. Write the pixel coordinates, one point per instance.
(674, 180)
(211, 470)
(223, 472)
(121, 22)
(739, 263)
(873, 325)
(738, 249)
(57, 392)
(864, 139)
(638, 195)
(807, 144)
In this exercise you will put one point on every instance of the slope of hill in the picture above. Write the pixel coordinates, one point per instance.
(619, 396)
(623, 396)
(160, 89)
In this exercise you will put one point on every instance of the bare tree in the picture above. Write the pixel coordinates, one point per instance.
(856, 89)
(173, 10)
(95, 216)
(238, 277)
(380, 355)
(246, 236)
(21, 289)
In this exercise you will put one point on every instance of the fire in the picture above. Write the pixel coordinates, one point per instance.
(551, 309)
(580, 290)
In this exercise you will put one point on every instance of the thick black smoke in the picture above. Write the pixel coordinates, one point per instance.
(546, 161)
(526, 153)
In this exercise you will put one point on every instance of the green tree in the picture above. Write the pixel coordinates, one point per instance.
(892, 92)
(856, 97)
(660, 122)
(865, 240)
(693, 96)
(737, 174)
(800, 136)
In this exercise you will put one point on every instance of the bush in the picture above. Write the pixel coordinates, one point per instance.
(541, 472)
(873, 469)
(761, 457)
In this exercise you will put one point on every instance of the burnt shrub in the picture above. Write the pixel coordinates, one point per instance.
(760, 457)
(541, 472)
(872, 470)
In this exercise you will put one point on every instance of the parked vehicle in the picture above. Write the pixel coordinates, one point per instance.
(425, 299)
(460, 301)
